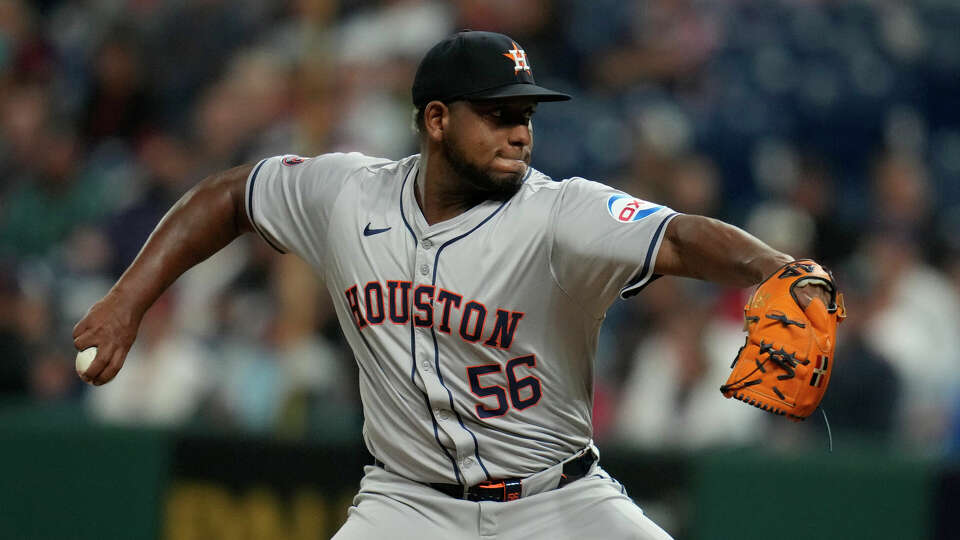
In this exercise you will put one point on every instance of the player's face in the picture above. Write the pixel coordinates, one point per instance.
(489, 144)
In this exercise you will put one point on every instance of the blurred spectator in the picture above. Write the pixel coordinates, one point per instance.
(24, 53)
(319, 397)
(117, 106)
(264, 87)
(189, 43)
(911, 316)
(319, 95)
(785, 227)
(694, 187)
(83, 276)
(901, 197)
(815, 193)
(281, 376)
(50, 370)
(671, 40)
(53, 197)
(168, 169)
(26, 116)
(865, 391)
(378, 67)
(248, 393)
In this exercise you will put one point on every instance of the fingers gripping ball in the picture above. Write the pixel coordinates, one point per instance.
(785, 364)
(85, 358)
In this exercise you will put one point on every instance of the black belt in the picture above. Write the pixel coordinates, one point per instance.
(509, 489)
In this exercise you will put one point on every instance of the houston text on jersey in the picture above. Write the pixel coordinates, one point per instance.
(373, 306)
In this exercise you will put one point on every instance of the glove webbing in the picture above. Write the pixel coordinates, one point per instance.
(780, 357)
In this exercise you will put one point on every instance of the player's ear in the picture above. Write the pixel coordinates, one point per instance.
(435, 116)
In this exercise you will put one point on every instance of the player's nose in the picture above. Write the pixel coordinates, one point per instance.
(521, 135)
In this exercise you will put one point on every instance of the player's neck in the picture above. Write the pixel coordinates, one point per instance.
(440, 193)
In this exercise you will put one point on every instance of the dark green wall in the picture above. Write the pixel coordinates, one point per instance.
(64, 478)
(848, 495)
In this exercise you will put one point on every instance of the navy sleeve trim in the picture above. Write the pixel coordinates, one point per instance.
(644, 277)
(253, 221)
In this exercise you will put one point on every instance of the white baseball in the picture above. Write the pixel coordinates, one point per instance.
(85, 358)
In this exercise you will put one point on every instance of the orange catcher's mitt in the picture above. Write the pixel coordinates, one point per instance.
(785, 365)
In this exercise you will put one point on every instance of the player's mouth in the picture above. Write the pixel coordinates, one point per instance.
(510, 165)
(522, 157)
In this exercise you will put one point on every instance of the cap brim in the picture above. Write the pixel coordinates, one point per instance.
(518, 90)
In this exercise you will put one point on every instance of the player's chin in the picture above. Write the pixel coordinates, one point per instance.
(504, 186)
(506, 182)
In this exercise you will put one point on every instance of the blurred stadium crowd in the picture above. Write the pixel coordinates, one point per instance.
(828, 129)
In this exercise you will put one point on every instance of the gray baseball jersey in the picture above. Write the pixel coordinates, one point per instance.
(475, 337)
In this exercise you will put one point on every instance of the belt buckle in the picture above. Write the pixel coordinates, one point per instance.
(501, 491)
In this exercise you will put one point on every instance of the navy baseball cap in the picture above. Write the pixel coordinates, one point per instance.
(477, 66)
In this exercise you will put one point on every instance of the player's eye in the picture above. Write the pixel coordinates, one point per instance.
(496, 113)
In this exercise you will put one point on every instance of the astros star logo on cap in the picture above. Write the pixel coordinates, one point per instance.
(468, 65)
(519, 58)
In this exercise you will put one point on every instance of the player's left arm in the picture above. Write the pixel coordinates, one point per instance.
(708, 249)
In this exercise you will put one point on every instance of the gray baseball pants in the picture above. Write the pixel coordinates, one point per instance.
(392, 507)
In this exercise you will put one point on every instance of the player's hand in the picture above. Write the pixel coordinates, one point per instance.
(110, 325)
(808, 291)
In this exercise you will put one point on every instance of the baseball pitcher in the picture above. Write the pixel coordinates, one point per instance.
(471, 288)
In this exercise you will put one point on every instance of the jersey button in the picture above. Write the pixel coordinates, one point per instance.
(427, 244)
(467, 462)
(425, 269)
(443, 415)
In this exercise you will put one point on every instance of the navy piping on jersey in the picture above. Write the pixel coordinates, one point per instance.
(476, 443)
(436, 345)
(436, 435)
(413, 348)
(403, 216)
(627, 291)
(253, 178)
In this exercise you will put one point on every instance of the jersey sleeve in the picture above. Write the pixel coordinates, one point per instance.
(605, 243)
(289, 199)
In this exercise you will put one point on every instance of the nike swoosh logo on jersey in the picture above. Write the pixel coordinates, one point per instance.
(367, 231)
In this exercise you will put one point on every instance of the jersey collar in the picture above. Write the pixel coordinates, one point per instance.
(448, 228)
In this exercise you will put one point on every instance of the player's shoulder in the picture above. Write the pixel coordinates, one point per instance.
(540, 183)
(343, 161)
(581, 195)
(584, 186)
(379, 169)
(339, 168)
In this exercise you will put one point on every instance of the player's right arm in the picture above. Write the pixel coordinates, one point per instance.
(203, 221)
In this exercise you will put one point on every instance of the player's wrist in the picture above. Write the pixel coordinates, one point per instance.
(130, 302)
(764, 267)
